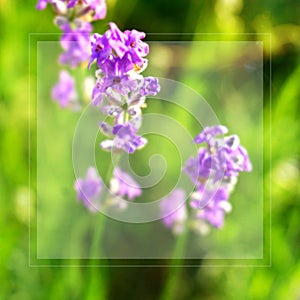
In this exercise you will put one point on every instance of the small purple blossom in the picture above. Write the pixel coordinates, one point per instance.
(72, 3)
(100, 49)
(114, 77)
(64, 91)
(204, 197)
(210, 132)
(98, 6)
(214, 213)
(42, 4)
(124, 137)
(127, 139)
(135, 47)
(173, 210)
(150, 86)
(123, 185)
(126, 44)
(75, 42)
(58, 5)
(89, 189)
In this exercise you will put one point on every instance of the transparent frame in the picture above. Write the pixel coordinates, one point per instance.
(49, 119)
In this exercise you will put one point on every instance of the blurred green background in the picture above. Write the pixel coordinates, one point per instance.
(281, 173)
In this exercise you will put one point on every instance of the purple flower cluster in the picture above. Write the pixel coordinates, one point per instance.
(73, 17)
(120, 88)
(64, 91)
(214, 172)
(89, 189)
(75, 41)
(122, 186)
(93, 9)
(173, 211)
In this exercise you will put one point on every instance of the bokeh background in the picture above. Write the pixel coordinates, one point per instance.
(56, 280)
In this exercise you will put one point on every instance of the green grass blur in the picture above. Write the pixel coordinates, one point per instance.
(281, 144)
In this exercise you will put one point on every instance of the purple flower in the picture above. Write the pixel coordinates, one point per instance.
(214, 172)
(64, 91)
(223, 157)
(98, 6)
(116, 105)
(204, 197)
(173, 210)
(238, 160)
(125, 137)
(75, 42)
(89, 189)
(210, 132)
(42, 4)
(72, 3)
(123, 185)
(58, 5)
(135, 47)
(129, 43)
(214, 212)
(192, 169)
(101, 51)
(116, 76)
(114, 42)
(117, 40)
(150, 86)
(200, 168)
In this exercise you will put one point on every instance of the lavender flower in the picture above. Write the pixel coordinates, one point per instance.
(173, 211)
(89, 189)
(75, 42)
(120, 88)
(127, 44)
(42, 4)
(215, 173)
(64, 91)
(58, 5)
(115, 78)
(118, 106)
(100, 9)
(125, 137)
(101, 51)
(150, 86)
(123, 185)
(95, 7)
(209, 132)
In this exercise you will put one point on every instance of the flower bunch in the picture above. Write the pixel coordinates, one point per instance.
(120, 88)
(64, 91)
(73, 18)
(92, 10)
(120, 91)
(214, 172)
(121, 186)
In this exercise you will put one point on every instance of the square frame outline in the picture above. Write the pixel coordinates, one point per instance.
(266, 261)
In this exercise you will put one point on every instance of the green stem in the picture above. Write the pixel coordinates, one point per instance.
(173, 277)
(100, 221)
(98, 277)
